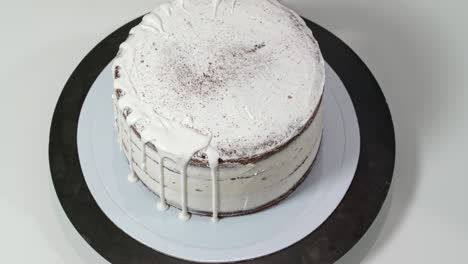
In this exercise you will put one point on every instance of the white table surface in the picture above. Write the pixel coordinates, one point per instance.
(417, 50)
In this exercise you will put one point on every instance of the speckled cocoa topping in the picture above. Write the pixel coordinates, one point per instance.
(251, 78)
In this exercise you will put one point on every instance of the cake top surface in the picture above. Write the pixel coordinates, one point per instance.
(247, 73)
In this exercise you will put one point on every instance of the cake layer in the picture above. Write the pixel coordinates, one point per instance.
(242, 188)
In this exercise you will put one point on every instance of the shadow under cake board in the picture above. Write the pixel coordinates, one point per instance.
(331, 240)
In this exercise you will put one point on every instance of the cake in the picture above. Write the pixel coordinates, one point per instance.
(218, 104)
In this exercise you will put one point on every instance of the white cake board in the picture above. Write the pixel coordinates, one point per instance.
(132, 207)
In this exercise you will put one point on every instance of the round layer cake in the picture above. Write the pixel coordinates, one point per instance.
(221, 102)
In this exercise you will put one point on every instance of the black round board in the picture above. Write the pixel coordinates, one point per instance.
(338, 234)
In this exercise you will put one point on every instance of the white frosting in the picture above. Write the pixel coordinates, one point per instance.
(250, 78)
(184, 215)
(214, 165)
(198, 79)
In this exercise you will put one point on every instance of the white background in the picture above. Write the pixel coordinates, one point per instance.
(417, 50)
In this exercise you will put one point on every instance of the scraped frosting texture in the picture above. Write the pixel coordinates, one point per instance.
(246, 74)
(224, 82)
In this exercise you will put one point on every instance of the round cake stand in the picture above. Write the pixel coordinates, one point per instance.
(326, 244)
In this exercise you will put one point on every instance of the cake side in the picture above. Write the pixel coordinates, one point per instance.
(243, 188)
(203, 83)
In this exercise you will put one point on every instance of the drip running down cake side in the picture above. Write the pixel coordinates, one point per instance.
(218, 104)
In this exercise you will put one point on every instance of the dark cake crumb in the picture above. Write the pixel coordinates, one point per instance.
(117, 72)
(119, 93)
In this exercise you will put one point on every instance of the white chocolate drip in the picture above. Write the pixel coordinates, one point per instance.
(162, 205)
(172, 141)
(213, 159)
(184, 215)
(144, 139)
